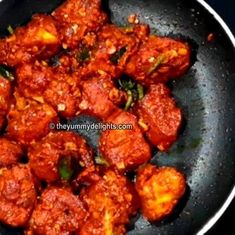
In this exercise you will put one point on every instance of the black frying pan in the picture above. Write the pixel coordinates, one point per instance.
(205, 151)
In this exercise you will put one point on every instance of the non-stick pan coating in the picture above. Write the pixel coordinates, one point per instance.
(205, 151)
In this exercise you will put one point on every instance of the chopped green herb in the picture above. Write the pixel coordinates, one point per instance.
(117, 56)
(129, 100)
(140, 90)
(126, 84)
(10, 29)
(134, 91)
(83, 55)
(6, 74)
(157, 62)
(66, 168)
(101, 161)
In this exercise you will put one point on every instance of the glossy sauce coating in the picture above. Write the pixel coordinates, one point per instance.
(38, 39)
(100, 97)
(10, 152)
(47, 85)
(76, 19)
(125, 149)
(159, 116)
(57, 212)
(159, 59)
(5, 99)
(28, 121)
(111, 199)
(17, 195)
(44, 156)
(160, 190)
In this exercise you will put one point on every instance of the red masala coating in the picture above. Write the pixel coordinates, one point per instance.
(158, 60)
(125, 149)
(38, 39)
(58, 212)
(159, 116)
(5, 99)
(160, 190)
(17, 195)
(45, 84)
(100, 97)
(28, 121)
(10, 152)
(44, 156)
(76, 19)
(111, 200)
(111, 40)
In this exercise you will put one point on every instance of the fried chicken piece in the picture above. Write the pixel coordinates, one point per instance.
(10, 152)
(159, 59)
(112, 49)
(5, 99)
(159, 116)
(76, 19)
(38, 39)
(125, 149)
(160, 190)
(111, 200)
(115, 45)
(28, 121)
(100, 97)
(17, 195)
(47, 156)
(57, 212)
(45, 84)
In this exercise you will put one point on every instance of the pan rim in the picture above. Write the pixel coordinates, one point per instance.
(214, 219)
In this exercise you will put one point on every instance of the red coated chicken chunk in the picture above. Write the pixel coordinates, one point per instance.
(111, 200)
(38, 39)
(57, 212)
(158, 60)
(5, 96)
(121, 147)
(160, 190)
(28, 121)
(76, 19)
(17, 195)
(100, 97)
(112, 49)
(116, 45)
(58, 154)
(10, 152)
(44, 84)
(159, 116)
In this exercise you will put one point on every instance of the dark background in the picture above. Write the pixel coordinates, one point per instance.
(225, 8)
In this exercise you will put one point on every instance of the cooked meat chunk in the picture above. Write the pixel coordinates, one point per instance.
(28, 121)
(56, 150)
(38, 39)
(45, 84)
(158, 60)
(58, 212)
(160, 190)
(10, 152)
(159, 116)
(5, 99)
(76, 19)
(17, 195)
(125, 149)
(111, 201)
(100, 97)
(115, 45)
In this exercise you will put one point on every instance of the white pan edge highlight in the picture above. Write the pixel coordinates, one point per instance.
(212, 221)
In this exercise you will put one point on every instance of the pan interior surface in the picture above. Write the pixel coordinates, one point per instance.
(205, 151)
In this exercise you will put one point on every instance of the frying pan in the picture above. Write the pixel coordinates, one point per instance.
(205, 151)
